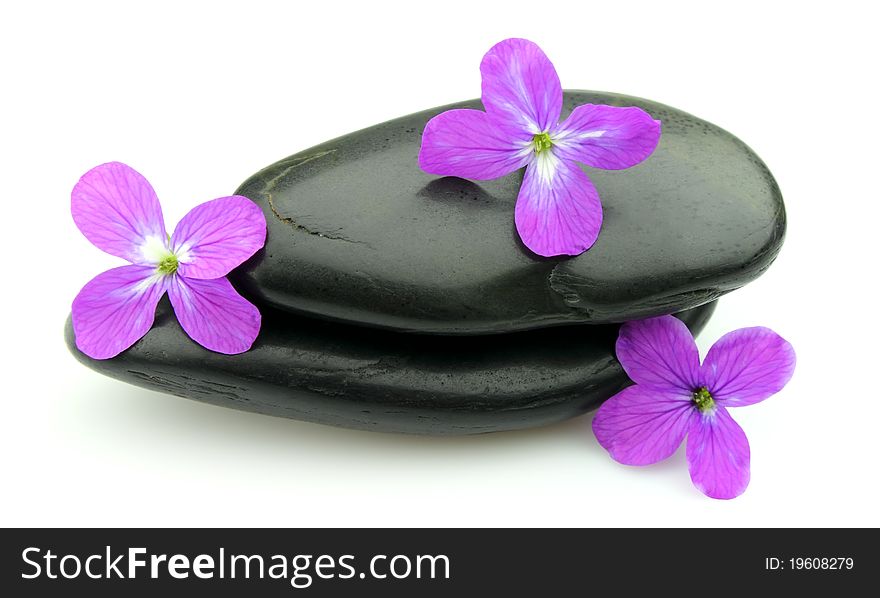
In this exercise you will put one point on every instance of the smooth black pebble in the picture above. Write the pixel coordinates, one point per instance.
(358, 233)
(341, 375)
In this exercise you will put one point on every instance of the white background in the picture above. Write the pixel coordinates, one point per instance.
(199, 96)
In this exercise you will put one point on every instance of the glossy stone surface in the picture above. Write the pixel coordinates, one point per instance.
(342, 375)
(357, 232)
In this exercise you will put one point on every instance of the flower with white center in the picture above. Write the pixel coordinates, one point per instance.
(558, 210)
(675, 397)
(117, 210)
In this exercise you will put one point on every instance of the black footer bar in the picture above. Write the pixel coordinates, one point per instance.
(435, 562)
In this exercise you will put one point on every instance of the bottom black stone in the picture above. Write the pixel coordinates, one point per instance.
(370, 379)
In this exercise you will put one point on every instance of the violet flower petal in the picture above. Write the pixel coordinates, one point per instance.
(659, 353)
(640, 426)
(718, 455)
(115, 309)
(607, 137)
(117, 210)
(218, 235)
(466, 144)
(214, 315)
(747, 366)
(558, 210)
(520, 86)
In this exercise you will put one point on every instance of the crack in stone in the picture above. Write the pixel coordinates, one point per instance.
(556, 281)
(269, 186)
(294, 224)
(564, 284)
(186, 386)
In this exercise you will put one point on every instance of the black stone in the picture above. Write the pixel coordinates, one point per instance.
(341, 375)
(357, 232)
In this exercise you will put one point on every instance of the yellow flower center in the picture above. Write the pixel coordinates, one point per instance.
(168, 265)
(703, 400)
(542, 142)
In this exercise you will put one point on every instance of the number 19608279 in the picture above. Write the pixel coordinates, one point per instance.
(839, 563)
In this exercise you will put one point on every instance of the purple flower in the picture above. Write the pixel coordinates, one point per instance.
(117, 210)
(674, 396)
(558, 210)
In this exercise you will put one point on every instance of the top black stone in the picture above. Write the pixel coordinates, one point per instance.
(357, 232)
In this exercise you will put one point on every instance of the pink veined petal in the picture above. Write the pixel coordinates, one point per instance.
(659, 353)
(607, 136)
(718, 455)
(115, 309)
(116, 209)
(218, 235)
(747, 366)
(214, 315)
(558, 210)
(465, 143)
(640, 426)
(520, 86)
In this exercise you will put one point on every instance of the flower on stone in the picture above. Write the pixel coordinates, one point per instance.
(117, 210)
(558, 210)
(674, 396)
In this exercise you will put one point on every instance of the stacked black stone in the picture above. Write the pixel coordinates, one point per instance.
(393, 300)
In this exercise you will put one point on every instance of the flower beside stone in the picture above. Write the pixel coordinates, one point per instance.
(674, 396)
(117, 210)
